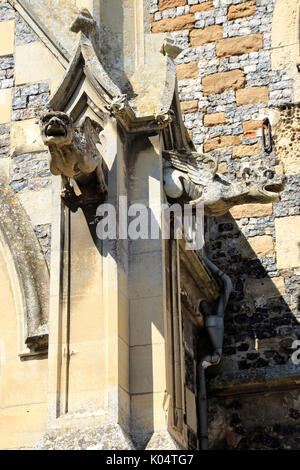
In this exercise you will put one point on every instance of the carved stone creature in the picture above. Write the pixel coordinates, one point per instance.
(192, 178)
(74, 154)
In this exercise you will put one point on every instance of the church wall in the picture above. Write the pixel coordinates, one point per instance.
(227, 86)
(238, 67)
(27, 73)
(23, 381)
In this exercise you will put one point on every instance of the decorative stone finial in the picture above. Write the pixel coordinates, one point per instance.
(83, 22)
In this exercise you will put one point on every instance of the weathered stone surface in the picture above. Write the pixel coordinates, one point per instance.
(252, 95)
(286, 146)
(163, 440)
(257, 247)
(189, 70)
(25, 137)
(222, 168)
(93, 437)
(198, 37)
(7, 29)
(246, 150)
(288, 242)
(42, 66)
(251, 210)
(279, 169)
(164, 4)
(174, 24)
(214, 119)
(239, 45)
(202, 6)
(241, 10)
(222, 141)
(279, 284)
(189, 106)
(255, 288)
(38, 209)
(223, 81)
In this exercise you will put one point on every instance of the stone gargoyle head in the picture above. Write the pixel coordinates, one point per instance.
(192, 178)
(262, 184)
(56, 128)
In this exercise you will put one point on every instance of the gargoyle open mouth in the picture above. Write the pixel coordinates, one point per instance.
(274, 187)
(55, 130)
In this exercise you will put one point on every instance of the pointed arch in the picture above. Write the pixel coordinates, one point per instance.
(26, 269)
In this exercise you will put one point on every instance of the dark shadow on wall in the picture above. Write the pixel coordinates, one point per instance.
(261, 323)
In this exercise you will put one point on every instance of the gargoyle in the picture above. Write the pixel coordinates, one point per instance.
(192, 178)
(74, 154)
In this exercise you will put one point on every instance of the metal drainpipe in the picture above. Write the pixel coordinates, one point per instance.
(215, 327)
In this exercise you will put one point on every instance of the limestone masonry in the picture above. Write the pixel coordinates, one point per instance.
(102, 342)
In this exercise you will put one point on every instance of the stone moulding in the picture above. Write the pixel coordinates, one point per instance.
(271, 379)
(130, 109)
(70, 35)
(27, 269)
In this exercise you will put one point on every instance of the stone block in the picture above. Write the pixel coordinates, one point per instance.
(189, 106)
(198, 37)
(250, 126)
(246, 150)
(23, 382)
(239, 45)
(222, 141)
(214, 119)
(257, 247)
(174, 24)
(38, 206)
(186, 71)
(26, 137)
(217, 83)
(22, 426)
(147, 374)
(222, 168)
(241, 10)
(287, 231)
(87, 367)
(252, 95)
(146, 321)
(164, 4)
(146, 275)
(35, 63)
(148, 411)
(205, 6)
(7, 37)
(251, 210)
(257, 288)
(5, 105)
